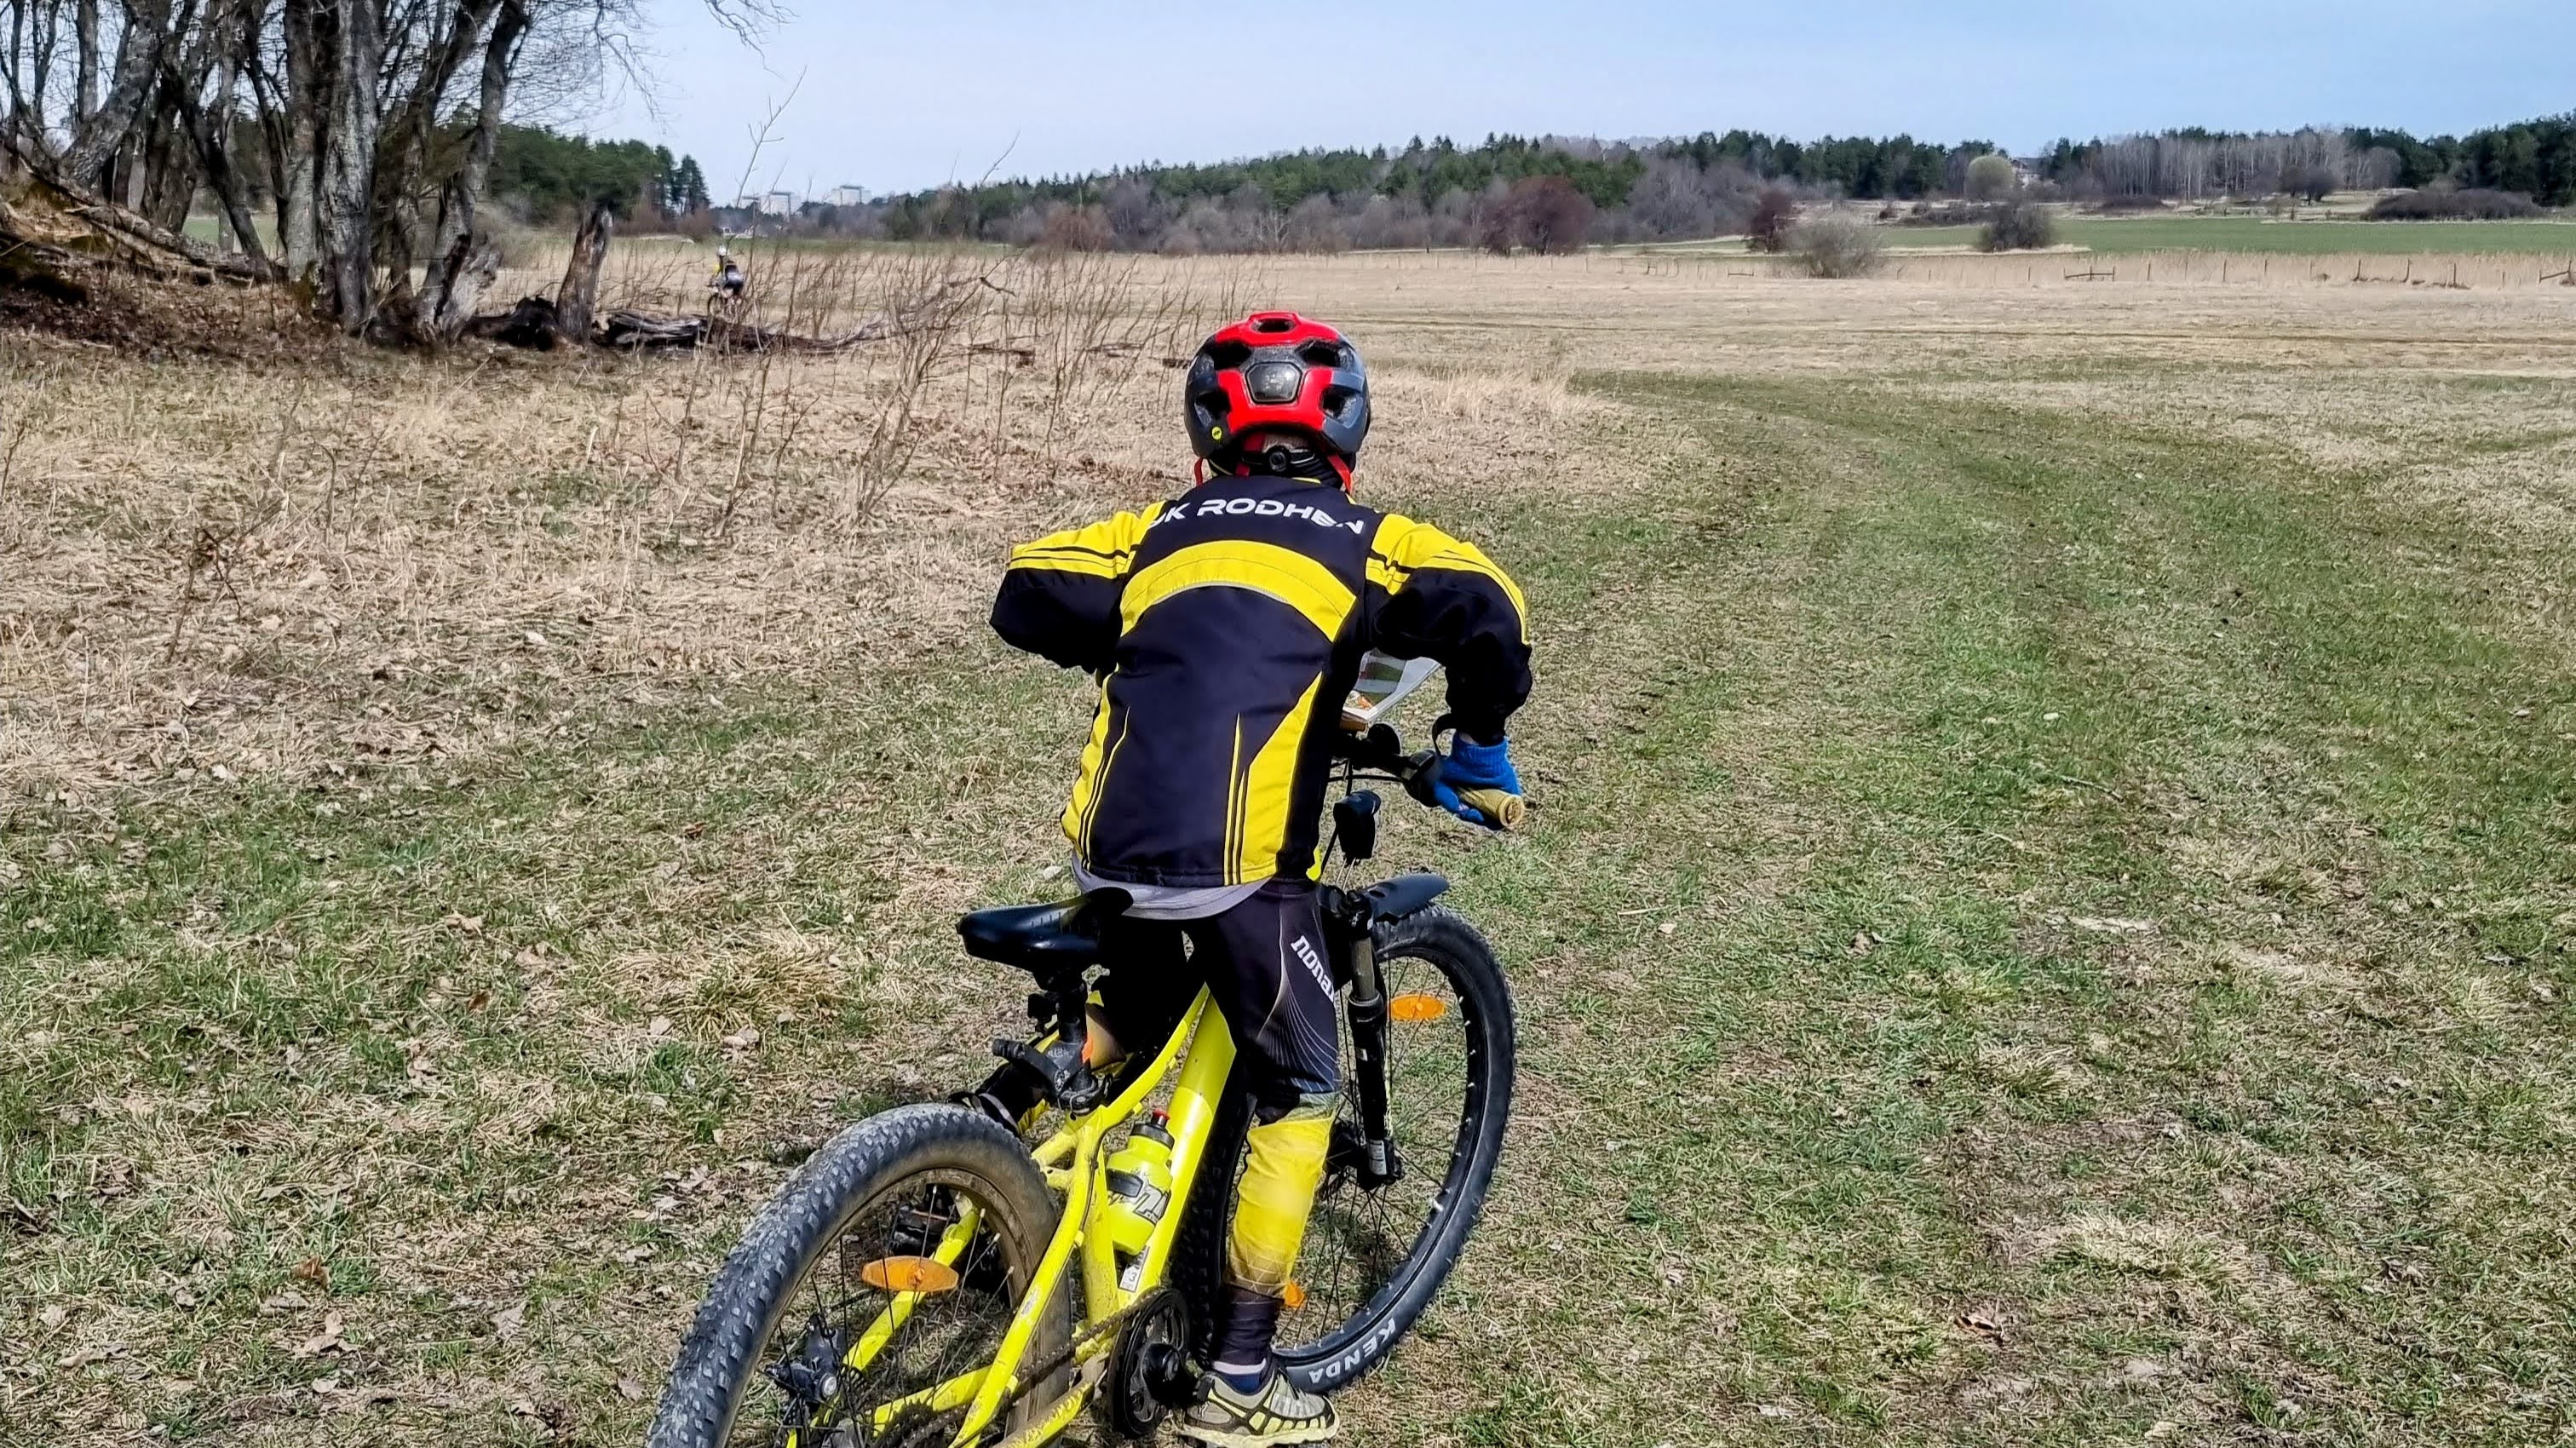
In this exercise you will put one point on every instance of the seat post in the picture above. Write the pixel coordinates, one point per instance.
(1061, 1007)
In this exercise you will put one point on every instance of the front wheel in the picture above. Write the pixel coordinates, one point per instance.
(1374, 1258)
(889, 1266)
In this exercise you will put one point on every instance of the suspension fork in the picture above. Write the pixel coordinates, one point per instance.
(1379, 1162)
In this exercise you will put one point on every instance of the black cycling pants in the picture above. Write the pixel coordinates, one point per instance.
(1264, 964)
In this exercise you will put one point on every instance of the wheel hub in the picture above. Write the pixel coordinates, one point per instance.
(811, 1376)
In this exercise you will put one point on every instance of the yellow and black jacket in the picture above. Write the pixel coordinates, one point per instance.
(1226, 628)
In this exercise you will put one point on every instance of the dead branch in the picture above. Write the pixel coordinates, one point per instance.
(538, 323)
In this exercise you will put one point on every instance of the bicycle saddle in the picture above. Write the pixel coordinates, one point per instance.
(1043, 939)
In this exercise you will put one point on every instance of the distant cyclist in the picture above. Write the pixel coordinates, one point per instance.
(727, 283)
(1226, 628)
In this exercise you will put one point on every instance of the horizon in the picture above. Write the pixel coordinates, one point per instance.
(2015, 74)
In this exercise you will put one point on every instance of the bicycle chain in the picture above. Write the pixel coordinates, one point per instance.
(903, 1435)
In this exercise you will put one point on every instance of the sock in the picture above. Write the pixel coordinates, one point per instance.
(1246, 1381)
(1250, 1321)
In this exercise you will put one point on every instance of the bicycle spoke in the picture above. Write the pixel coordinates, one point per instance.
(925, 1345)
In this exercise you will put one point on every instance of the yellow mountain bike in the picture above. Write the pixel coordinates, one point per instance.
(932, 1277)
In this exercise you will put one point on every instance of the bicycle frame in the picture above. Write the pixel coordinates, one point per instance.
(1202, 1051)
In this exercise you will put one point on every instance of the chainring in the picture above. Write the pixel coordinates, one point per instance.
(1149, 1370)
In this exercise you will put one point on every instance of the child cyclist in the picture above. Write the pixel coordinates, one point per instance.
(1226, 628)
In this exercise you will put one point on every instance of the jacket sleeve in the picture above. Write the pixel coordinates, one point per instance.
(1439, 598)
(1059, 599)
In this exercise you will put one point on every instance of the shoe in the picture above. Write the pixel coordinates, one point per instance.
(1276, 1412)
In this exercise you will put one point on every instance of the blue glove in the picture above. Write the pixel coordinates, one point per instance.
(1469, 766)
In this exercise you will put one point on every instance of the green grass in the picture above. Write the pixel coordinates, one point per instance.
(2253, 234)
(2033, 927)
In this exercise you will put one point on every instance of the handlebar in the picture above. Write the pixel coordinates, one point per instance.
(1381, 751)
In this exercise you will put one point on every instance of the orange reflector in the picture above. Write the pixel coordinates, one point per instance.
(909, 1274)
(1415, 1006)
(1293, 1296)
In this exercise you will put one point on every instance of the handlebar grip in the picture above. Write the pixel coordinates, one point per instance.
(1500, 806)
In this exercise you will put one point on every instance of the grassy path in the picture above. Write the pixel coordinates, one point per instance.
(2033, 931)
(2104, 964)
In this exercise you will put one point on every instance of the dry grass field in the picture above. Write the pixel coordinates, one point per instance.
(2045, 919)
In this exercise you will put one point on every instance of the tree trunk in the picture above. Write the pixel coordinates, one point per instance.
(464, 191)
(349, 166)
(138, 62)
(85, 64)
(216, 159)
(303, 25)
(579, 295)
(472, 264)
(45, 41)
(217, 126)
(17, 119)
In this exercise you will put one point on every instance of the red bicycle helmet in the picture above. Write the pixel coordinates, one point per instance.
(1277, 372)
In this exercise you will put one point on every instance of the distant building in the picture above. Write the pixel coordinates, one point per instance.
(846, 196)
(770, 203)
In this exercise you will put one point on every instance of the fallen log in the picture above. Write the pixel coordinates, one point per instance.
(28, 263)
(532, 324)
(939, 309)
(52, 211)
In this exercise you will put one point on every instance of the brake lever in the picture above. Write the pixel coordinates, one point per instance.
(1422, 776)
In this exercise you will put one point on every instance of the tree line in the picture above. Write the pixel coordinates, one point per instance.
(548, 176)
(1442, 193)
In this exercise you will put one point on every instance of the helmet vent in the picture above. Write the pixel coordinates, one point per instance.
(1321, 354)
(1274, 322)
(1228, 355)
(1274, 384)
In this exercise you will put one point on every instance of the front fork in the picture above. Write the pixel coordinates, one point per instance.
(1378, 1162)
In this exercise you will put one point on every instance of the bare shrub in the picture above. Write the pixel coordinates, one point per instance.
(1457, 215)
(1314, 225)
(1676, 200)
(2312, 181)
(1775, 211)
(1990, 177)
(1837, 245)
(2018, 226)
(1544, 213)
(2437, 204)
(1138, 215)
(1555, 218)
(1392, 221)
(1075, 228)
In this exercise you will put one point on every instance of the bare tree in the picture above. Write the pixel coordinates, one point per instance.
(376, 122)
(1774, 212)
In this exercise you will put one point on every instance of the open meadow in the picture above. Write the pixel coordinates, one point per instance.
(2045, 917)
(2138, 236)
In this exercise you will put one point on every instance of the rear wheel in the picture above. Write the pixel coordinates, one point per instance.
(934, 1204)
(1374, 1258)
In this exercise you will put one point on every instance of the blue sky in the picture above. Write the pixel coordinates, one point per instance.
(898, 96)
